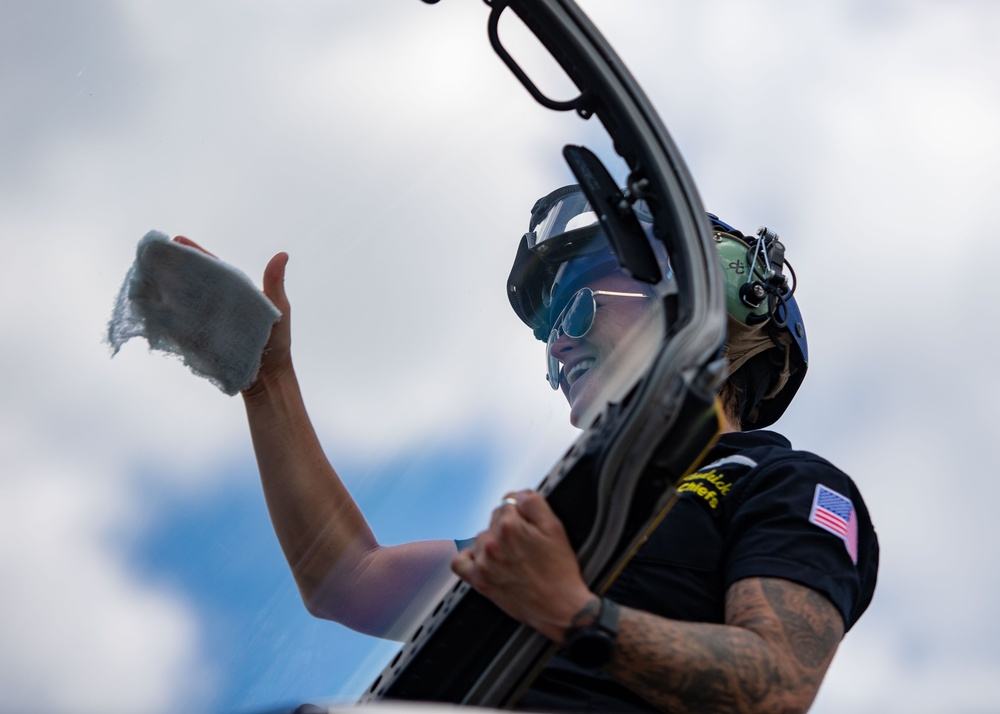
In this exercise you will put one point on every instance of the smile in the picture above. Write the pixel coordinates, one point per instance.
(578, 369)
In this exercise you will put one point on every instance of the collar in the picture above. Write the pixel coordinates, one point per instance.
(736, 441)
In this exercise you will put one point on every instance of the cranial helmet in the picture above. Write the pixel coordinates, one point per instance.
(565, 248)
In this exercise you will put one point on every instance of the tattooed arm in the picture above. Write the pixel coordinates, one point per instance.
(769, 656)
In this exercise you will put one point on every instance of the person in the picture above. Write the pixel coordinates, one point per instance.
(739, 598)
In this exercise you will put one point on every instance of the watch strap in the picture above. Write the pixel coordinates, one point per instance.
(593, 646)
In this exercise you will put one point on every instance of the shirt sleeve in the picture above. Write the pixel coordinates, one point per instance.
(804, 521)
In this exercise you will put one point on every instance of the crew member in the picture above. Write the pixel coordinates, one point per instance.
(738, 600)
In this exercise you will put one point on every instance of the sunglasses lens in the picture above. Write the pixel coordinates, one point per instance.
(579, 315)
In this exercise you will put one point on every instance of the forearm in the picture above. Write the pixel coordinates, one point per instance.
(320, 528)
(339, 567)
(771, 655)
(696, 667)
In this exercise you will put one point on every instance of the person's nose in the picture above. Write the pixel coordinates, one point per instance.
(562, 345)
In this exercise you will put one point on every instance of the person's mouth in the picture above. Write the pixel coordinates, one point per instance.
(577, 370)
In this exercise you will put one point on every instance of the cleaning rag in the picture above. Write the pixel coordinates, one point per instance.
(191, 304)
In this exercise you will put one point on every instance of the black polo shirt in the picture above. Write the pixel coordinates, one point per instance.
(757, 508)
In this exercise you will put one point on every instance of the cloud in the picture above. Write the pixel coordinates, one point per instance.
(76, 623)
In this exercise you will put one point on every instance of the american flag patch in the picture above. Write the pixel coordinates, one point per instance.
(835, 513)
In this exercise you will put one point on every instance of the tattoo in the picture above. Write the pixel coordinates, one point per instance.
(771, 654)
(801, 611)
(587, 615)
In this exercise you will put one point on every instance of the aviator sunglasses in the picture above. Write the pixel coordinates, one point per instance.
(575, 321)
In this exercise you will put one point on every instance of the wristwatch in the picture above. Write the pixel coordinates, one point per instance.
(593, 646)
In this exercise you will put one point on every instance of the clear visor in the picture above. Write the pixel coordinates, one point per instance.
(571, 212)
(568, 213)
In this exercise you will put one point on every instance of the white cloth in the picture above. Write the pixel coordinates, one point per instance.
(190, 304)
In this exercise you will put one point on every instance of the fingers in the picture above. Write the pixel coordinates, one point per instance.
(276, 356)
(191, 244)
(524, 563)
(533, 508)
(462, 564)
(274, 281)
(508, 520)
(515, 498)
(521, 525)
(274, 273)
(478, 568)
(525, 510)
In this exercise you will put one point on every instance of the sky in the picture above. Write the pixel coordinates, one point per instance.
(394, 157)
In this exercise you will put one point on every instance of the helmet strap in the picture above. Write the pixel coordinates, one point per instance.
(759, 365)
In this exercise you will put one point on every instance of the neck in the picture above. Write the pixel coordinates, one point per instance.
(728, 426)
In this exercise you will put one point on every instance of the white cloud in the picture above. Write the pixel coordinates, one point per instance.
(82, 632)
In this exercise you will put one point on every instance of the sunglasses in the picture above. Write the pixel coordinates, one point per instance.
(575, 321)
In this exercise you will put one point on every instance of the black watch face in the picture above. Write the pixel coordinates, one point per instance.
(592, 649)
